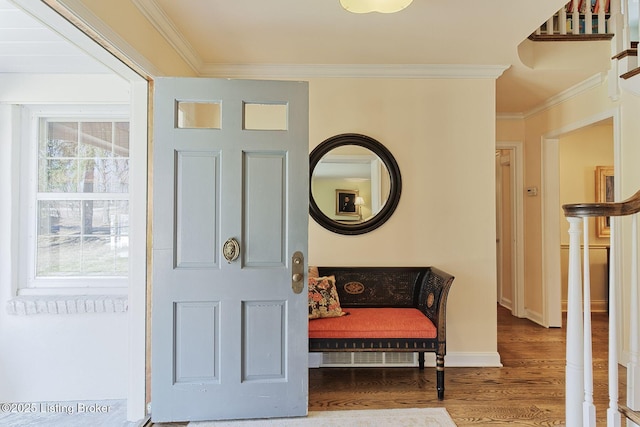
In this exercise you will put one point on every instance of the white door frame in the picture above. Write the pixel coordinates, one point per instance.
(136, 387)
(552, 212)
(517, 209)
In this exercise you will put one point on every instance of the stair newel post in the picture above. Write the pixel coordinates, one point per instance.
(589, 409)
(633, 370)
(574, 368)
(613, 415)
(618, 26)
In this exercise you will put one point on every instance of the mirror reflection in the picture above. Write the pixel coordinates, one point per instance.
(350, 184)
(355, 184)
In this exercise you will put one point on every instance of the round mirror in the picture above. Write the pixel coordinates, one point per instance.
(355, 184)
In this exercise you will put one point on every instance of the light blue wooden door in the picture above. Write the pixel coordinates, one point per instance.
(230, 164)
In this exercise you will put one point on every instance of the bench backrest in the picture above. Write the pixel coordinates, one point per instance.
(425, 288)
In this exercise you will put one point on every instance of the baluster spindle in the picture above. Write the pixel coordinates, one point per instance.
(613, 415)
(562, 20)
(575, 17)
(589, 410)
(549, 30)
(602, 18)
(574, 369)
(588, 17)
(633, 371)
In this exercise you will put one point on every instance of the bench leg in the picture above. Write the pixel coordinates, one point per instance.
(440, 376)
(421, 360)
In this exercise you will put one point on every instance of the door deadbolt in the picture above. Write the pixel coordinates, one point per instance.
(297, 273)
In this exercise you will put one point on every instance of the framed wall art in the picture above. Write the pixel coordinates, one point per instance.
(604, 194)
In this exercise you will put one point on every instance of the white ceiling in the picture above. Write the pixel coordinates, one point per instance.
(295, 35)
(28, 46)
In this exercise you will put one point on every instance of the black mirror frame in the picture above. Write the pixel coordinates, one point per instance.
(395, 187)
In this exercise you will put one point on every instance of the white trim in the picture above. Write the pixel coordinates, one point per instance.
(167, 29)
(567, 94)
(30, 142)
(468, 359)
(404, 71)
(163, 24)
(51, 19)
(517, 198)
(551, 213)
(535, 317)
(136, 396)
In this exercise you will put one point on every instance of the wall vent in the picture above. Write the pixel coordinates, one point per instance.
(368, 359)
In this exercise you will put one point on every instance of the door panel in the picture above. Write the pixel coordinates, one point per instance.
(197, 325)
(264, 237)
(229, 338)
(196, 209)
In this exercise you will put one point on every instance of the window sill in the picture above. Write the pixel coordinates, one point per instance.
(67, 304)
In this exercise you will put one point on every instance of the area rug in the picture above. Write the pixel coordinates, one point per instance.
(412, 417)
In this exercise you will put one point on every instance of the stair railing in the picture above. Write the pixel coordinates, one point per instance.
(580, 410)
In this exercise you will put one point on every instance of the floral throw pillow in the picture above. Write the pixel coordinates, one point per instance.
(323, 298)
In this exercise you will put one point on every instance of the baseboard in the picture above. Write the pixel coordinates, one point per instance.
(315, 360)
(597, 306)
(534, 316)
(473, 360)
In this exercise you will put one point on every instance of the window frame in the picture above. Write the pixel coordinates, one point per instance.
(29, 283)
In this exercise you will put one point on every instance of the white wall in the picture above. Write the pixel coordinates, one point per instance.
(52, 357)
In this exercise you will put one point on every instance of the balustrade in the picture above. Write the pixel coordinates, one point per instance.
(580, 410)
(581, 17)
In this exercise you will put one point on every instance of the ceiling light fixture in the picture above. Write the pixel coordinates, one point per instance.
(382, 6)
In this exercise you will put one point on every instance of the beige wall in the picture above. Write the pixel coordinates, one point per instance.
(441, 133)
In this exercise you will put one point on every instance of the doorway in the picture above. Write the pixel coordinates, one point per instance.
(103, 63)
(509, 227)
(552, 219)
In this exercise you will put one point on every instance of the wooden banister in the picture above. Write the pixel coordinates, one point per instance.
(582, 210)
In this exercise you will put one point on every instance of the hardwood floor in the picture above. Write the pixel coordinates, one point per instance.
(527, 391)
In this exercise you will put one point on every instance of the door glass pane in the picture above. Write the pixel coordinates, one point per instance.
(199, 115)
(265, 116)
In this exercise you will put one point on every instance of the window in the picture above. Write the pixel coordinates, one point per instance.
(79, 205)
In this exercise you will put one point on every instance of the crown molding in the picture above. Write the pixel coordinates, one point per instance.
(167, 29)
(404, 71)
(509, 116)
(101, 32)
(567, 94)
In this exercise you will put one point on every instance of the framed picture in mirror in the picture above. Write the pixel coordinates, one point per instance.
(346, 202)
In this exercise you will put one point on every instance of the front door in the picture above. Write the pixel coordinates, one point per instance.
(229, 229)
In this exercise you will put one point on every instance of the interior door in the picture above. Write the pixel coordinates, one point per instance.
(230, 225)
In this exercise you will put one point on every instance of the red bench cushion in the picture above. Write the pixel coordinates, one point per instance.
(374, 323)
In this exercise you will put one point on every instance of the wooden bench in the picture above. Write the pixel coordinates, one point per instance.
(390, 309)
